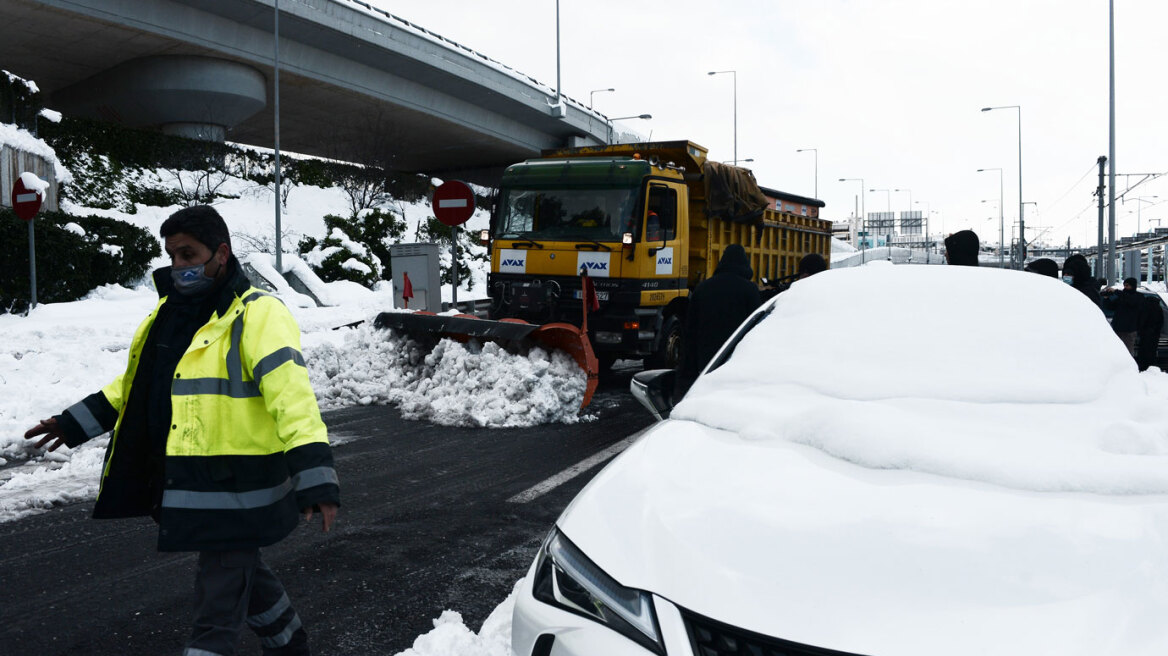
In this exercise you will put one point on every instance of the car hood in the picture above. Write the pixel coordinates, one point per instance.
(783, 539)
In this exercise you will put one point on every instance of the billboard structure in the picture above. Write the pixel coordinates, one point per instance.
(911, 223)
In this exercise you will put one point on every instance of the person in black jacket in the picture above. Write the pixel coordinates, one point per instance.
(962, 247)
(717, 306)
(1128, 305)
(1151, 324)
(1077, 274)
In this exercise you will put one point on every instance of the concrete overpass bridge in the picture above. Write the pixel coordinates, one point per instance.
(352, 78)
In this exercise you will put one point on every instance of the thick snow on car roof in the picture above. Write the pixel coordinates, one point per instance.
(1003, 377)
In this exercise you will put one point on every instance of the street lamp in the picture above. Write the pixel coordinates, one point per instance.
(612, 121)
(1001, 220)
(909, 192)
(735, 161)
(1142, 199)
(735, 76)
(863, 214)
(888, 202)
(816, 151)
(1021, 209)
(593, 93)
(928, 211)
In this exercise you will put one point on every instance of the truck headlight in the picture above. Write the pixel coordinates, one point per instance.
(567, 579)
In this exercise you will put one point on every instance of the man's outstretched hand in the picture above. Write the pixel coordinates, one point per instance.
(328, 513)
(52, 432)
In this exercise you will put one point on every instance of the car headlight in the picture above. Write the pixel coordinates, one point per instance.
(567, 579)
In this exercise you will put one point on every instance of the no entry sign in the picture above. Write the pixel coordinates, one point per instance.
(26, 200)
(453, 203)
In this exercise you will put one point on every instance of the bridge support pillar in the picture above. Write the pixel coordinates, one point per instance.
(184, 95)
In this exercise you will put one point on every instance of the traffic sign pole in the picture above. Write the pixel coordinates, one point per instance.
(453, 204)
(454, 265)
(32, 265)
(26, 202)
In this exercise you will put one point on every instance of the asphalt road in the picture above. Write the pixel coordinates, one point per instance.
(425, 525)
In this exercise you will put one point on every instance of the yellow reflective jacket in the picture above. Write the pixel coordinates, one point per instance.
(246, 450)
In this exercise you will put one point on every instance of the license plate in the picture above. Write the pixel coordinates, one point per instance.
(600, 296)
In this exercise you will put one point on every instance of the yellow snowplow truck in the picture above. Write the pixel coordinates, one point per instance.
(646, 222)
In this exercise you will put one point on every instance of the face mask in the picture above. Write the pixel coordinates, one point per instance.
(1069, 280)
(192, 280)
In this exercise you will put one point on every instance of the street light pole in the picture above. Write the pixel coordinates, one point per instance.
(1021, 207)
(593, 93)
(816, 152)
(1142, 199)
(734, 74)
(1001, 220)
(928, 211)
(276, 112)
(612, 121)
(863, 214)
(888, 210)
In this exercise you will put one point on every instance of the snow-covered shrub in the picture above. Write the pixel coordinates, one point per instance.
(339, 256)
(74, 255)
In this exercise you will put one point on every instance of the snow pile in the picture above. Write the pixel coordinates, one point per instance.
(451, 637)
(452, 384)
(988, 375)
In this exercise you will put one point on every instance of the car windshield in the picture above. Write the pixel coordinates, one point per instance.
(566, 214)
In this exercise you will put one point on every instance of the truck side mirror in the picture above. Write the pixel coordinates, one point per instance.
(654, 390)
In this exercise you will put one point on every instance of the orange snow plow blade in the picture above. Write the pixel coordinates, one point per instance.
(461, 327)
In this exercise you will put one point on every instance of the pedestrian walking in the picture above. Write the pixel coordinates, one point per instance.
(1151, 326)
(216, 435)
(717, 306)
(962, 247)
(1127, 304)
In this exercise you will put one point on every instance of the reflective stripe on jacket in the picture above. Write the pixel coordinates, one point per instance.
(246, 450)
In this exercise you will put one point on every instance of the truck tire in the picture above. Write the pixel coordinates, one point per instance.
(668, 355)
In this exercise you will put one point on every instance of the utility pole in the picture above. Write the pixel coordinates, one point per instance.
(1099, 194)
(276, 111)
(1111, 153)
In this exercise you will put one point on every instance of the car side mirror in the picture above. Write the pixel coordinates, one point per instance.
(654, 390)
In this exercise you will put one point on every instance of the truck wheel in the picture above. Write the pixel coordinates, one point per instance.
(668, 355)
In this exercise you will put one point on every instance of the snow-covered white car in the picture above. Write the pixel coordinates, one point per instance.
(887, 461)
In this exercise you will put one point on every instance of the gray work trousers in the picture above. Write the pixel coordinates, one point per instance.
(233, 587)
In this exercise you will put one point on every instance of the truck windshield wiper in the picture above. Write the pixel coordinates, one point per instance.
(525, 237)
(596, 245)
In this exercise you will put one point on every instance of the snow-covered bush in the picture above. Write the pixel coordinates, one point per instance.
(339, 256)
(75, 254)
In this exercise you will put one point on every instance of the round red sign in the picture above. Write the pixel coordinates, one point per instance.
(453, 203)
(25, 202)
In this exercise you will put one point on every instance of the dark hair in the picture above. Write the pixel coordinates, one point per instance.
(201, 222)
(1044, 266)
(1077, 267)
(961, 248)
(812, 263)
(1130, 281)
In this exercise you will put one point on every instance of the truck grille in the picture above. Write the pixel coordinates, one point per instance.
(712, 638)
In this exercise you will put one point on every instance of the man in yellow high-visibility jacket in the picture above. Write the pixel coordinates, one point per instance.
(216, 434)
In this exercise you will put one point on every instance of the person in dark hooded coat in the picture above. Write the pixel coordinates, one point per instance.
(717, 306)
(1077, 273)
(1151, 324)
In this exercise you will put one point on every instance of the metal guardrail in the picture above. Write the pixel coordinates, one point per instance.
(479, 307)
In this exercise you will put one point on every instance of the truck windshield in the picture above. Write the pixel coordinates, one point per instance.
(566, 214)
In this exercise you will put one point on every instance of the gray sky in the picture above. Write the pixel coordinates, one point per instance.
(885, 90)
